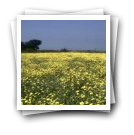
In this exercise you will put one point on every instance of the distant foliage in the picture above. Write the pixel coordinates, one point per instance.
(31, 46)
(64, 50)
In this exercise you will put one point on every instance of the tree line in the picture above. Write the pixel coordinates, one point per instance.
(33, 46)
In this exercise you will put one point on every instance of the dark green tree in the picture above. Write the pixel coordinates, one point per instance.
(34, 44)
(23, 46)
(64, 50)
(31, 46)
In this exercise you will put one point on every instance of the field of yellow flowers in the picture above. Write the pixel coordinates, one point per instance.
(63, 78)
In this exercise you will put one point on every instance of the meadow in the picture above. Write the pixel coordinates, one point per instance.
(68, 78)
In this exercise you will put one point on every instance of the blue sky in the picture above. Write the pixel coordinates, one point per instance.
(70, 34)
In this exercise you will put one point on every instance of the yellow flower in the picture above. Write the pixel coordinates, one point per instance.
(86, 102)
(81, 103)
(82, 96)
(57, 103)
(63, 78)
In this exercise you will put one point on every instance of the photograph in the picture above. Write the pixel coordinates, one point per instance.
(64, 62)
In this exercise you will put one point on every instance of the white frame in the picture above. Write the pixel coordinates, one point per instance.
(63, 107)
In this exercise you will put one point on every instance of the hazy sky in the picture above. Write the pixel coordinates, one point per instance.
(70, 34)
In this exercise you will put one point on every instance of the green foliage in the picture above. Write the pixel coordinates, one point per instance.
(31, 46)
(64, 50)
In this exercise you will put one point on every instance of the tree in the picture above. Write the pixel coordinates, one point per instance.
(23, 47)
(64, 50)
(31, 46)
(34, 44)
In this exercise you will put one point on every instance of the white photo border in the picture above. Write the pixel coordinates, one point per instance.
(63, 107)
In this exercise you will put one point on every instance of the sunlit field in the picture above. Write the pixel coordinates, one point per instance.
(63, 78)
